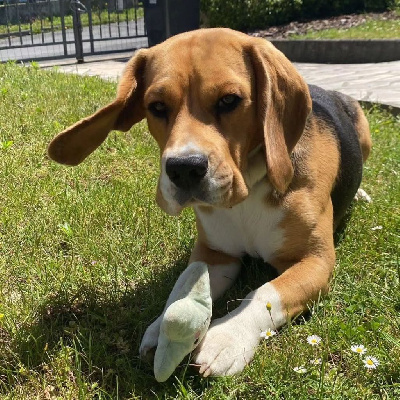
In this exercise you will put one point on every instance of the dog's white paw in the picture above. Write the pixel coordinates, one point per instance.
(150, 339)
(227, 348)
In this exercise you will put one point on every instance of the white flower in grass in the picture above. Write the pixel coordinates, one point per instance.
(358, 348)
(316, 361)
(370, 362)
(300, 370)
(267, 334)
(314, 340)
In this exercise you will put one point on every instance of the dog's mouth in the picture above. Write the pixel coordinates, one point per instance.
(185, 199)
(208, 192)
(211, 190)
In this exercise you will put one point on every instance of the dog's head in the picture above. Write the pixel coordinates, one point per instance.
(210, 98)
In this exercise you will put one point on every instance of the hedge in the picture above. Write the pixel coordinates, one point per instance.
(245, 15)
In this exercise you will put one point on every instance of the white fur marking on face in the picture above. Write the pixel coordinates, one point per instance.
(188, 149)
(168, 192)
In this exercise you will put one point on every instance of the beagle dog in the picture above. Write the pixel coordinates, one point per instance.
(269, 164)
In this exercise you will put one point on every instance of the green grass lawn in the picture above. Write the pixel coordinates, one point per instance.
(87, 261)
(371, 29)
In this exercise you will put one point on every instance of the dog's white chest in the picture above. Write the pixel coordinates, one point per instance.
(250, 227)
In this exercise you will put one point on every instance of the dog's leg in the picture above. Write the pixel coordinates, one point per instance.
(230, 343)
(223, 271)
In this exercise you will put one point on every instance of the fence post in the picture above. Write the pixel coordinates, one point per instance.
(77, 8)
(64, 35)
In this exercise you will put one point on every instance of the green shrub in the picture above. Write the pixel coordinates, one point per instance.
(252, 14)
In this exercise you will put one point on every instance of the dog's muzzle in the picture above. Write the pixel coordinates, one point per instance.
(191, 179)
(187, 172)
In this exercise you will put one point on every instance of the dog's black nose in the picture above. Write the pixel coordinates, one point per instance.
(186, 172)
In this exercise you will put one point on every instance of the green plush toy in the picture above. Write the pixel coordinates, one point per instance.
(185, 321)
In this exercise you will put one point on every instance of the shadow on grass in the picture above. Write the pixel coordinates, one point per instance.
(340, 232)
(104, 327)
(104, 330)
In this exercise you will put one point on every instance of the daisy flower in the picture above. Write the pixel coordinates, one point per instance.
(358, 348)
(370, 362)
(300, 370)
(267, 334)
(316, 361)
(314, 340)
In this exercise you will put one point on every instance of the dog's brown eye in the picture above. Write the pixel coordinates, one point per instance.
(228, 103)
(158, 109)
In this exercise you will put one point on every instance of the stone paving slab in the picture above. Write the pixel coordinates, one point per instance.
(378, 82)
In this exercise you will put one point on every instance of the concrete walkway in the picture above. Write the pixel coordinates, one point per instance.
(378, 83)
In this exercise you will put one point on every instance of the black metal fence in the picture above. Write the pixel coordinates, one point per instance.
(43, 29)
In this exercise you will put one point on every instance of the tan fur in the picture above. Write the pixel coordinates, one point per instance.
(308, 219)
(201, 252)
(284, 123)
(364, 134)
(74, 144)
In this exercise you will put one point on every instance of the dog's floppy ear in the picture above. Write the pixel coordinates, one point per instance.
(283, 105)
(74, 144)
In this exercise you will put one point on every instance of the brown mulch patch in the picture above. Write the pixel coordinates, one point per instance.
(340, 22)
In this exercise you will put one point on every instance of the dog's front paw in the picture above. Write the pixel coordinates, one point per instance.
(227, 348)
(150, 340)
